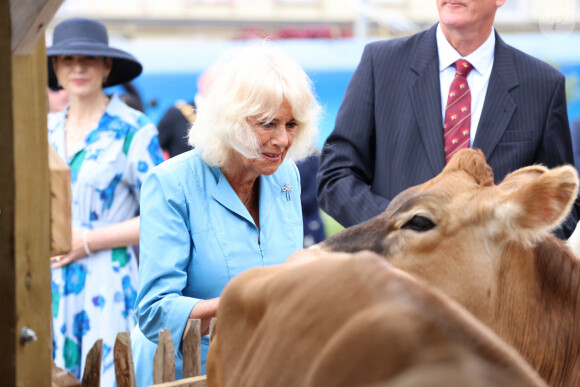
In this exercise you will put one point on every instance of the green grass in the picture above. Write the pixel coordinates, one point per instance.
(330, 225)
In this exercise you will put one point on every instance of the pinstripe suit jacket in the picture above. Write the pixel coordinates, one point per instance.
(388, 134)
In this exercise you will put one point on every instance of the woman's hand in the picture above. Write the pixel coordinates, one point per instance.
(205, 310)
(117, 235)
(77, 251)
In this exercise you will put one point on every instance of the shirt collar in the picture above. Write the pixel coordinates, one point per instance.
(115, 106)
(480, 59)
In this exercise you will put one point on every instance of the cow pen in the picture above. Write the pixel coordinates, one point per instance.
(163, 366)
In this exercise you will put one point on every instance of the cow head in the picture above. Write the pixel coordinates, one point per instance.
(453, 230)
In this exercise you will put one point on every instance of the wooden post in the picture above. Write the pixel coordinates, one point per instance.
(164, 360)
(60, 204)
(24, 219)
(92, 373)
(191, 348)
(124, 369)
(63, 378)
(32, 223)
(25, 321)
(8, 328)
(212, 325)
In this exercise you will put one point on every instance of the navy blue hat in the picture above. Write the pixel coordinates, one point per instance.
(81, 36)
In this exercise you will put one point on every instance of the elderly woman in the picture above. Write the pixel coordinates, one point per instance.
(110, 148)
(231, 204)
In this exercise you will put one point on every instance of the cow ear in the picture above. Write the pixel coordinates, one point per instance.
(543, 202)
(473, 162)
(521, 177)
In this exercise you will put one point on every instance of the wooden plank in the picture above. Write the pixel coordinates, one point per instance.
(164, 360)
(191, 347)
(196, 381)
(32, 217)
(124, 369)
(92, 374)
(63, 378)
(60, 204)
(29, 20)
(24, 208)
(212, 325)
(8, 333)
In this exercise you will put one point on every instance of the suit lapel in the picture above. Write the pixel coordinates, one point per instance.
(499, 105)
(426, 98)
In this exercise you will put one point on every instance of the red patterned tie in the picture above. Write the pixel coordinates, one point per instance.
(457, 123)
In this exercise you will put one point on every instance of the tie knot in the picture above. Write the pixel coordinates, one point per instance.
(463, 67)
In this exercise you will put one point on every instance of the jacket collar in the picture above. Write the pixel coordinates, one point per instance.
(271, 190)
(426, 97)
(498, 107)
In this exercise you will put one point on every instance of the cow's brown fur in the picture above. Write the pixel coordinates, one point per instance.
(539, 315)
(491, 250)
(352, 320)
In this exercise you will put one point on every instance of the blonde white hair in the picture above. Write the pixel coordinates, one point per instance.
(253, 83)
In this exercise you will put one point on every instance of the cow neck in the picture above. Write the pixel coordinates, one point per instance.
(539, 287)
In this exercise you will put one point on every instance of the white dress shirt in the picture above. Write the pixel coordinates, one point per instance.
(478, 79)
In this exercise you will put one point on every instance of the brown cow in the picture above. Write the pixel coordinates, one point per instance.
(353, 320)
(489, 247)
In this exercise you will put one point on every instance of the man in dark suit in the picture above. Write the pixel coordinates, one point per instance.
(389, 130)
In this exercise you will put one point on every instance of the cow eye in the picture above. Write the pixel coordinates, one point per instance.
(419, 223)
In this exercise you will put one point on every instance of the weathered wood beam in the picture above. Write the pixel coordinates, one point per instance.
(92, 373)
(7, 204)
(60, 204)
(212, 325)
(191, 347)
(25, 296)
(164, 360)
(32, 217)
(29, 20)
(124, 368)
(196, 381)
(63, 378)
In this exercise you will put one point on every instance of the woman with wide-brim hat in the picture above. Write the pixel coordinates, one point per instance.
(110, 148)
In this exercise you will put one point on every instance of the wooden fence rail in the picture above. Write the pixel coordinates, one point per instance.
(163, 364)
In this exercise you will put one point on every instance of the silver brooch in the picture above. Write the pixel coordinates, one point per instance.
(287, 188)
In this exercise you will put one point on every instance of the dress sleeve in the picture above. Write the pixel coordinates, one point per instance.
(165, 256)
(143, 153)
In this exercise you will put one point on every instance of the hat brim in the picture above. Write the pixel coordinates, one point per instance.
(125, 67)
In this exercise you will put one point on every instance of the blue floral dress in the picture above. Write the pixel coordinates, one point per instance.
(93, 297)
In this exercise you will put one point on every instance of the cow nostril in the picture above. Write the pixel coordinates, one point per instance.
(419, 223)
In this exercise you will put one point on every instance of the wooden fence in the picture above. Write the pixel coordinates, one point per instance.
(163, 366)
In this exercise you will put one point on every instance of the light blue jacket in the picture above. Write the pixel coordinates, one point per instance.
(196, 235)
